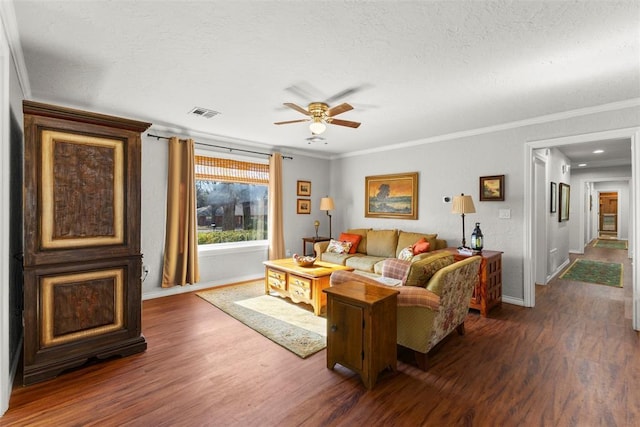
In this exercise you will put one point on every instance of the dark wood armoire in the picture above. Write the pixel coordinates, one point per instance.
(82, 260)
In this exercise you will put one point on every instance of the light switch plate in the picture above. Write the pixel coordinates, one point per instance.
(504, 213)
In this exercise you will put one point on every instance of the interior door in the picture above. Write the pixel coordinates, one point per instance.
(608, 213)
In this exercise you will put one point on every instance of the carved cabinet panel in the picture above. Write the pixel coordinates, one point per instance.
(82, 261)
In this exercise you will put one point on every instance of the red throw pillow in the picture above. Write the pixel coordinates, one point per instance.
(421, 246)
(353, 238)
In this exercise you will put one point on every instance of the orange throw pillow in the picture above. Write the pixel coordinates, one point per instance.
(353, 238)
(421, 246)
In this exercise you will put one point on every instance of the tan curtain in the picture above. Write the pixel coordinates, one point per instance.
(181, 244)
(276, 233)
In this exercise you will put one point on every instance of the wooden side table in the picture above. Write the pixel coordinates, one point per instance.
(313, 241)
(487, 293)
(361, 329)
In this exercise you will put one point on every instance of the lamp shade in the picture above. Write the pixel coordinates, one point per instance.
(317, 127)
(462, 205)
(326, 204)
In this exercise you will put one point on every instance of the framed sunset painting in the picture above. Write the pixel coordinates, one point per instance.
(392, 196)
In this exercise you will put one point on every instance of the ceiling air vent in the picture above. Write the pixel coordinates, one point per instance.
(204, 112)
(315, 138)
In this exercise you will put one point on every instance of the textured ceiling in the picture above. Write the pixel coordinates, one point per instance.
(419, 69)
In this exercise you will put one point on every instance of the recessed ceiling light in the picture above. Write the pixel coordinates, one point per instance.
(598, 151)
(581, 165)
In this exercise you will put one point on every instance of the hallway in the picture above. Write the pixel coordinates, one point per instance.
(615, 299)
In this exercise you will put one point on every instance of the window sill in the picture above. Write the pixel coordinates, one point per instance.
(232, 248)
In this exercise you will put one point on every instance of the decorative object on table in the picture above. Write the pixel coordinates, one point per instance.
(304, 206)
(326, 204)
(476, 238)
(303, 260)
(554, 198)
(304, 188)
(492, 188)
(392, 196)
(316, 225)
(293, 326)
(563, 211)
(463, 204)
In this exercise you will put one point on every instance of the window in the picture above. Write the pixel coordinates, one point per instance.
(232, 198)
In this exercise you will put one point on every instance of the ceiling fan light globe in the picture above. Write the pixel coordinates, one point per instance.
(317, 128)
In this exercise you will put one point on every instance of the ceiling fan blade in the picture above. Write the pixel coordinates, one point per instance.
(339, 109)
(339, 122)
(346, 92)
(305, 91)
(297, 108)
(291, 121)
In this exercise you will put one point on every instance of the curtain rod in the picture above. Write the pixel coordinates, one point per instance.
(224, 148)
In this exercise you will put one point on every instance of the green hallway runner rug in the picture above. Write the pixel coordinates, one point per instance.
(601, 273)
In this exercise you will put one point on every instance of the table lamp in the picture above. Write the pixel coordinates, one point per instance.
(326, 204)
(463, 205)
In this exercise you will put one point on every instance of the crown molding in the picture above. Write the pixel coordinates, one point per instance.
(10, 25)
(613, 106)
(168, 130)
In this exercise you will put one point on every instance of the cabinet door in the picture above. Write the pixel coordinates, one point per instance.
(345, 334)
(82, 261)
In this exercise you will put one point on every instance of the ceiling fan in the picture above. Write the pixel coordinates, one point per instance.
(320, 114)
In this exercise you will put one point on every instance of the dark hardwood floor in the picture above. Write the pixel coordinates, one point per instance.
(573, 360)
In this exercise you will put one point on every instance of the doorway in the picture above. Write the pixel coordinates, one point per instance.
(608, 215)
(531, 249)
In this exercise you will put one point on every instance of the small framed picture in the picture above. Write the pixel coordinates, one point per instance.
(554, 197)
(563, 211)
(304, 188)
(492, 188)
(304, 206)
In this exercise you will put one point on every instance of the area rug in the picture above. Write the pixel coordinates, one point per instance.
(610, 244)
(290, 325)
(602, 273)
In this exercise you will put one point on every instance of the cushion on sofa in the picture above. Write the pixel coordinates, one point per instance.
(420, 247)
(338, 247)
(353, 238)
(362, 246)
(406, 254)
(383, 243)
(363, 262)
(396, 269)
(423, 269)
(335, 258)
(406, 238)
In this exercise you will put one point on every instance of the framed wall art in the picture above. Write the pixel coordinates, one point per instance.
(303, 206)
(392, 196)
(304, 188)
(554, 198)
(563, 208)
(492, 188)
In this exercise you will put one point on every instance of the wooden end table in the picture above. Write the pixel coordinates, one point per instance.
(300, 284)
(487, 293)
(361, 329)
(313, 241)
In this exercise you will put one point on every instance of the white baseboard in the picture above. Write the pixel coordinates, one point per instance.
(514, 301)
(175, 290)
